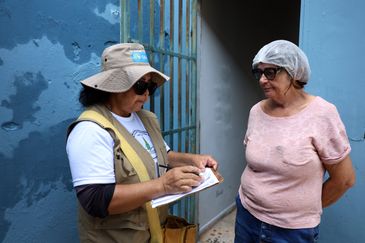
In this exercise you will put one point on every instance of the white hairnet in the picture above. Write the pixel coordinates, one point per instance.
(285, 54)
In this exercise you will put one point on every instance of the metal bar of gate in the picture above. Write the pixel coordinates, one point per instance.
(167, 29)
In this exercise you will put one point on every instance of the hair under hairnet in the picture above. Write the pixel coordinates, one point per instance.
(285, 54)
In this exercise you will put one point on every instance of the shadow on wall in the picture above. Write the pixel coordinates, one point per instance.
(244, 29)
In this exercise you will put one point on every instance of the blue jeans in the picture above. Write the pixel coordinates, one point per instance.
(249, 229)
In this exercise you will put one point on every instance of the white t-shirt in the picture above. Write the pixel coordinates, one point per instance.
(90, 150)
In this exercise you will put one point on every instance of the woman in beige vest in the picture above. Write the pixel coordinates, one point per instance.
(111, 197)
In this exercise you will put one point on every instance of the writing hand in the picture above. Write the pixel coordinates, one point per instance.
(181, 179)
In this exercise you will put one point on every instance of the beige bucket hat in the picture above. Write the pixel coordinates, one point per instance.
(122, 66)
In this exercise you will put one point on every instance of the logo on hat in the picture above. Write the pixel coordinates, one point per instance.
(139, 56)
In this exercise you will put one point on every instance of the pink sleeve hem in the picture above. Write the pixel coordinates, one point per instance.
(336, 160)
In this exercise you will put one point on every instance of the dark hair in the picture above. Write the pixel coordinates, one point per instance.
(89, 96)
(299, 84)
(296, 83)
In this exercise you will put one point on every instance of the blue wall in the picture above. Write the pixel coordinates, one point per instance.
(333, 36)
(46, 48)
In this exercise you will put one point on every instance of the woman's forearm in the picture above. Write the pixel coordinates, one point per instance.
(332, 191)
(127, 197)
(132, 196)
(341, 178)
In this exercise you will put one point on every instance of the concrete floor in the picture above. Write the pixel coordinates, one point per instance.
(221, 232)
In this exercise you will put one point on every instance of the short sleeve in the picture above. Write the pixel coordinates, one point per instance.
(90, 152)
(331, 139)
(167, 146)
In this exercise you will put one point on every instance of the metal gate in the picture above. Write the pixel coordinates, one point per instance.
(167, 29)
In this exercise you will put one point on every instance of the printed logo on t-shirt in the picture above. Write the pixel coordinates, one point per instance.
(144, 139)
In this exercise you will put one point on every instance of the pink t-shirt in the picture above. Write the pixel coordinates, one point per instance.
(282, 182)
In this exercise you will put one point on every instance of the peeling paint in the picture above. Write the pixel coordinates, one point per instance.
(28, 88)
(110, 14)
(38, 160)
(23, 214)
(57, 81)
(76, 51)
(46, 48)
(10, 126)
(62, 22)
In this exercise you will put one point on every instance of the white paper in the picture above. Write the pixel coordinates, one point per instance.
(209, 180)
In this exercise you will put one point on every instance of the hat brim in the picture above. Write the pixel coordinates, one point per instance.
(136, 72)
(122, 79)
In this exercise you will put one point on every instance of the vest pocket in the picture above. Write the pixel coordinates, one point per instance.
(124, 171)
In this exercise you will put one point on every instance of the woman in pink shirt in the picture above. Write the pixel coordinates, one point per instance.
(292, 139)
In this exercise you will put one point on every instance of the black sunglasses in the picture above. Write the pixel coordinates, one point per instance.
(141, 86)
(270, 73)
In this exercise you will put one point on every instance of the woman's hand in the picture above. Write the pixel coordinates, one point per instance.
(127, 197)
(181, 179)
(202, 161)
(199, 160)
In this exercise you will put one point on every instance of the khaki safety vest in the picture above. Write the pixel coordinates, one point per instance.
(131, 226)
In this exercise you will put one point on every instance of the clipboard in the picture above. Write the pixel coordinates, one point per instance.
(211, 178)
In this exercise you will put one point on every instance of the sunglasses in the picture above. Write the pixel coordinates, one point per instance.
(141, 86)
(270, 73)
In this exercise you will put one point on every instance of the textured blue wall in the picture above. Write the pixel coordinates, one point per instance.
(46, 48)
(333, 36)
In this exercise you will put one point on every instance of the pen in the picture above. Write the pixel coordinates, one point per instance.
(167, 167)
